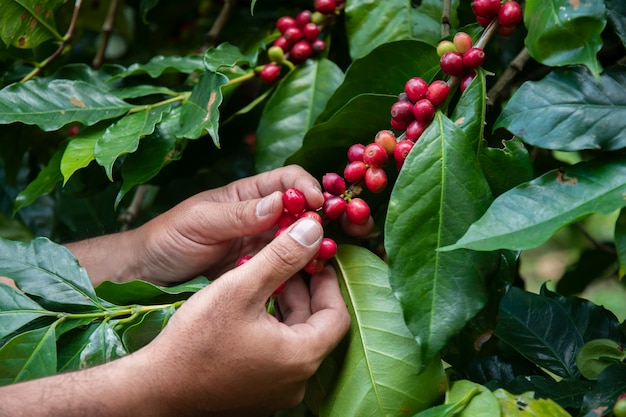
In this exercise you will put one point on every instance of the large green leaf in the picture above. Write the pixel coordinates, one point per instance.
(143, 292)
(200, 112)
(292, 110)
(16, 309)
(563, 32)
(28, 23)
(51, 104)
(71, 345)
(79, 151)
(526, 405)
(616, 15)
(380, 373)
(160, 65)
(389, 79)
(29, 355)
(228, 55)
(370, 24)
(144, 331)
(527, 215)
(49, 272)
(611, 384)
(569, 110)
(46, 181)
(104, 346)
(123, 136)
(440, 191)
(535, 326)
(506, 167)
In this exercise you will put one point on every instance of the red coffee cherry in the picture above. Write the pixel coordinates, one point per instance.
(334, 183)
(315, 266)
(484, 21)
(510, 14)
(355, 152)
(438, 92)
(387, 140)
(243, 260)
(294, 201)
(312, 215)
(463, 42)
(328, 248)
(293, 35)
(300, 51)
(325, 6)
(402, 111)
(398, 125)
(423, 110)
(355, 171)
(374, 155)
(452, 63)
(286, 219)
(415, 130)
(402, 151)
(375, 179)
(416, 89)
(486, 8)
(284, 23)
(280, 288)
(318, 46)
(466, 80)
(303, 18)
(270, 73)
(310, 31)
(474, 58)
(334, 207)
(358, 211)
(282, 43)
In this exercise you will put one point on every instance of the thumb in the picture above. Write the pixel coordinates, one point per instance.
(281, 259)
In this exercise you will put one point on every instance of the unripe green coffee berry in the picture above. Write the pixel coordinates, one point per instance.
(276, 54)
(445, 46)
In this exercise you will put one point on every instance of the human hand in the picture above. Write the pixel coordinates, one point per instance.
(223, 354)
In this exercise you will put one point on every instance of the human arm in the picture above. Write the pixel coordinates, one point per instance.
(220, 354)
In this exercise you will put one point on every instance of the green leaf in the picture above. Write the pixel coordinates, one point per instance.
(51, 104)
(160, 65)
(549, 203)
(525, 405)
(600, 400)
(506, 167)
(49, 272)
(29, 355)
(143, 91)
(381, 354)
(616, 15)
(439, 192)
(481, 404)
(104, 346)
(227, 55)
(71, 345)
(28, 23)
(469, 113)
(46, 181)
(145, 6)
(143, 332)
(562, 32)
(79, 151)
(292, 110)
(620, 242)
(143, 292)
(123, 136)
(370, 24)
(325, 144)
(390, 79)
(534, 325)
(16, 309)
(569, 110)
(597, 355)
(200, 112)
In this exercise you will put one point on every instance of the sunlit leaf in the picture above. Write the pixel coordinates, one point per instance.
(525, 405)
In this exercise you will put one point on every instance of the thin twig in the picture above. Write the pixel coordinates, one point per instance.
(130, 215)
(63, 47)
(598, 245)
(445, 18)
(214, 33)
(107, 30)
(515, 67)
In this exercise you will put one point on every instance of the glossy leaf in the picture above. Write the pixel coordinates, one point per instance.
(535, 326)
(616, 15)
(597, 355)
(227, 55)
(49, 272)
(524, 405)
(620, 241)
(561, 32)
(570, 110)
(104, 346)
(506, 167)
(469, 113)
(549, 203)
(143, 91)
(51, 104)
(46, 181)
(28, 23)
(160, 65)
(143, 332)
(381, 353)
(600, 400)
(71, 345)
(143, 292)
(440, 191)
(200, 113)
(292, 110)
(16, 309)
(480, 404)
(123, 136)
(390, 79)
(80, 151)
(29, 355)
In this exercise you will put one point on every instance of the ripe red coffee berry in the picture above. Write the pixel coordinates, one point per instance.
(484, 21)
(474, 58)
(318, 46)
(387, 140)
(293, 35)
(286, 219)
(463, 42)
(415, 130)
(486, 8)
(375, 179)
(334, 207)
(310, 31)
(358, 211)
(280, 288)
(243, 260)
(355, 152)
(284, 23)
(438, 92)
(270, 73)
(355, 171)
(399, 125)
(282, 43)
(315, 266)
(303, 18)
(312, 215)
(416, 89)
(510, 14)
(294, 201)
(452, 63)
(375, 155)
(300, 51)
(402, 151)
(334, 183)
(328, 248)
(423, 110)
(402, 111)
(466, 80)
(325, 6)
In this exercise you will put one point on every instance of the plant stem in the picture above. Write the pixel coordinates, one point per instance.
(445, 18)
(130, 311)
(180, 97)
(107, 30)
(515, 67)
(214, 33)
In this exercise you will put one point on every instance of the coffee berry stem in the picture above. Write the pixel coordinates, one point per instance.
(245, 77)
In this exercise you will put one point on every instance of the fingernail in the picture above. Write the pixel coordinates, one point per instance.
(305, 231)
(264, 207)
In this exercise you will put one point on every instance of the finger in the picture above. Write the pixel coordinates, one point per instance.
(279, 260)
(295, 302)
(357, 230)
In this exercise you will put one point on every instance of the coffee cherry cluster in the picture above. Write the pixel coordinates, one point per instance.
(459, 57)
(509, 14)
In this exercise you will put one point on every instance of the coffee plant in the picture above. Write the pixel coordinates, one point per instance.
(474, 134)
